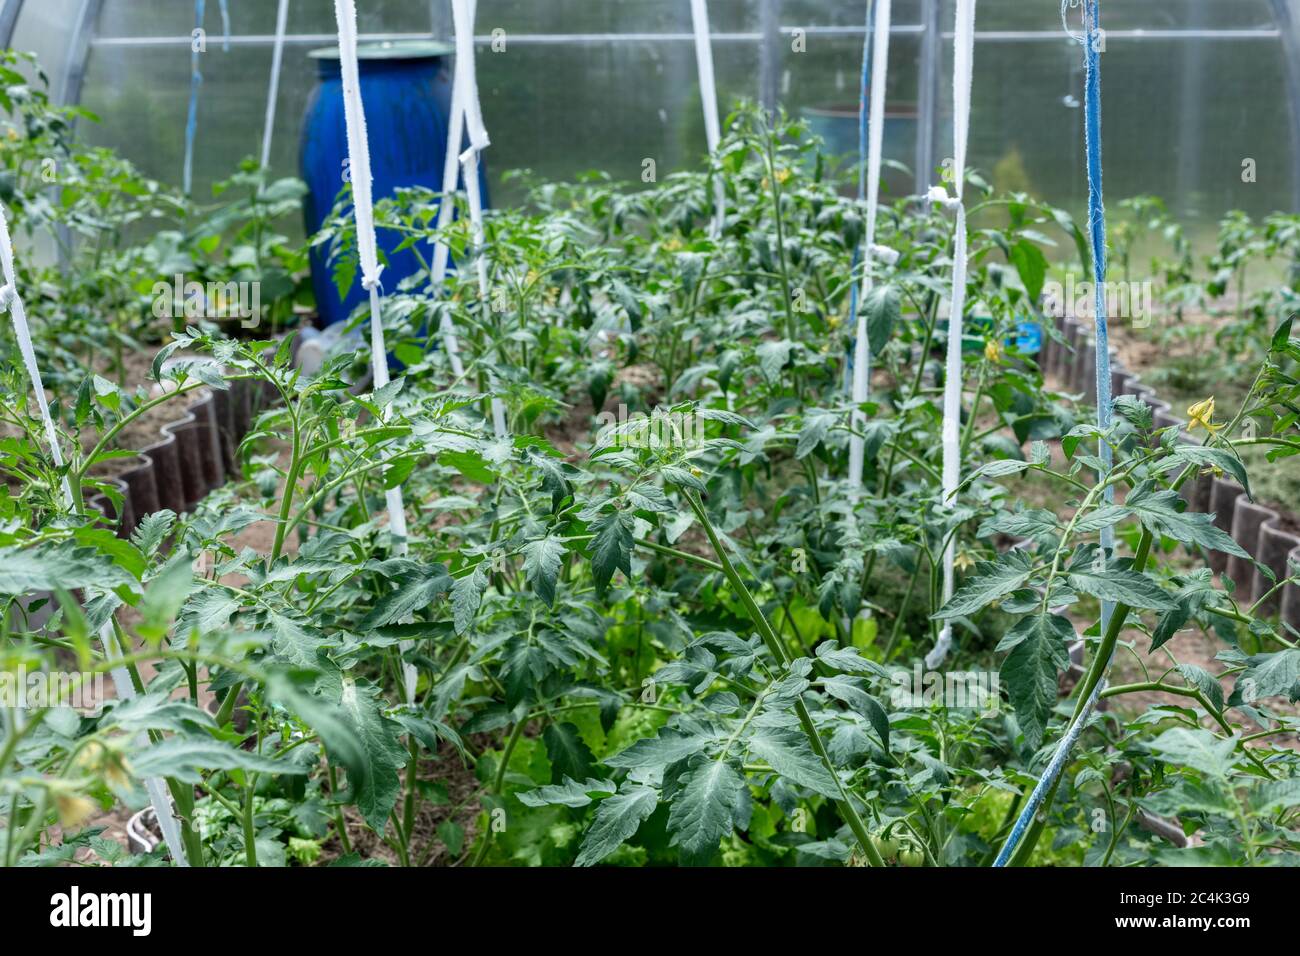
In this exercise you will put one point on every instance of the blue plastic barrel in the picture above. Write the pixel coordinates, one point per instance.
(406, 93)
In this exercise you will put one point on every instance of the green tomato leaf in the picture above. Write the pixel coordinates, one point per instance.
(542, 559)
(617, 820)
(569, 754)
(705, 809)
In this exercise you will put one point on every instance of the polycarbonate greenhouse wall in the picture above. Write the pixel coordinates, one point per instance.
(1193, 87)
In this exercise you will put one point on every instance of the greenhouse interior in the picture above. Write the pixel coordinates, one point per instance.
(649, 433)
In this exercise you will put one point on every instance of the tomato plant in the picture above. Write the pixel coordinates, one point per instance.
(652, 622)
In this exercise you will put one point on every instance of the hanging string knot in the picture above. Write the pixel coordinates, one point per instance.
(7, 295)
(939, 196)
(940, 649)
(1066, 6)
(884, 254)
(370, 281)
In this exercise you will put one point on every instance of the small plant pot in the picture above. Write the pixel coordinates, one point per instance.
(1067, 351)
(1223, 501)
(1274, 546)
(142, 832)
(165, 458)
(1086, 370)
(142, 486)
(1066, 354)
(1291, 597)
(1247, 519)
(1045, 355)
(123, 514)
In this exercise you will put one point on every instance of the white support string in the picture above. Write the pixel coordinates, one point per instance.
(10, 299)
(345, 12)
(446, 207)
(709, 96)
(450, 175)
(963, 67)
(466, 81)
(875, 140)
(273, 91)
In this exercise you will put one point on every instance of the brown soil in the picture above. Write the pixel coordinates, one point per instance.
(145, 430)
(462, 807)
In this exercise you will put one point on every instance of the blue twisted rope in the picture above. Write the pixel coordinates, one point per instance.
(192, 120)
(863, 84)
(1097, 237)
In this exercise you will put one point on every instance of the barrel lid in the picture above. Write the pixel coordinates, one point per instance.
(390, 50)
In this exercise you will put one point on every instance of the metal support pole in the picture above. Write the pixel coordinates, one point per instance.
(440, 19)
(1289, 28)
(68, 92)
(9, 11)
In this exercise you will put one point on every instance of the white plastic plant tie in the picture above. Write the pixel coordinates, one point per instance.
(12, 301)
(875, 139)
(709, 97)
(963, 63)
(273, 90)
(345, 12)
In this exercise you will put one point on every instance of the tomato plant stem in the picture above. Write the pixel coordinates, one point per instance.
(782, 656)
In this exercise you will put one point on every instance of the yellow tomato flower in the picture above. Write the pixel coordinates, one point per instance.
(106, 761)
(73, 808)
(993, 351)
(1201, 414)
(673, 244)
(782, 176)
